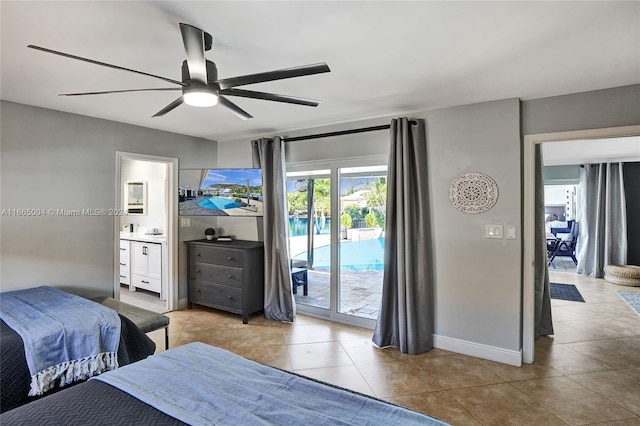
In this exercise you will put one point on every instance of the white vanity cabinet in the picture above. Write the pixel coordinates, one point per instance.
(125, 263)
(146, 266)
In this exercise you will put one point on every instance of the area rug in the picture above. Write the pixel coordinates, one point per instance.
(632, 298)
(565, 292)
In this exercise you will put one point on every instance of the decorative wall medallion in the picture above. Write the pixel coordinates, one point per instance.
(473, 193)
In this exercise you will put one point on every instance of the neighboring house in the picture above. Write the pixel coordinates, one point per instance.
(358, 198)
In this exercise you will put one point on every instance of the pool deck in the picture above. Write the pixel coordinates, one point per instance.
(193, 208)
(360, 290)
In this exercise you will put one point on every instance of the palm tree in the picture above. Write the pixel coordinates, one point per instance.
(322, 201)
(377, 199)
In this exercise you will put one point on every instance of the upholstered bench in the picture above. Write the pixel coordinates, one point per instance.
(146, 321)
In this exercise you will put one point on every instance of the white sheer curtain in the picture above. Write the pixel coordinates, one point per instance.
(268, 154)
(603, 219)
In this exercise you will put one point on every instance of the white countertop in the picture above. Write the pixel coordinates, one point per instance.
(139, 236)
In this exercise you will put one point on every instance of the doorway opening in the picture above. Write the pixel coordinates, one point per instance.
(145, 262)
(530, 141)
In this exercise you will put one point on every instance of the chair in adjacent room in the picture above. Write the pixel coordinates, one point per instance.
(566, 247)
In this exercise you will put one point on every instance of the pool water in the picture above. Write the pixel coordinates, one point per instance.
(298, 226)
(219, 203)
(367, 255)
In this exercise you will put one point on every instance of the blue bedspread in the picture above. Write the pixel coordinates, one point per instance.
(65, 337)
(204, 385)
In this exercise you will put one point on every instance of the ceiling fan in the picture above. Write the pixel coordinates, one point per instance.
(200, 84)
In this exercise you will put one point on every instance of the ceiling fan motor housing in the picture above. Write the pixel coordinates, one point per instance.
(197, 86)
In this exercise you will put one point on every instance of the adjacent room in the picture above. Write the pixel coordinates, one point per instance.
(427, 208)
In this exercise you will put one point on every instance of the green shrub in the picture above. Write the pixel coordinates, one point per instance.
(370, 220)
(345, 220)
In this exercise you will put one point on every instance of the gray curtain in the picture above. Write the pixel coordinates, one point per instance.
(406, 318)
(603, 219)
(542, 303)
(268, 154)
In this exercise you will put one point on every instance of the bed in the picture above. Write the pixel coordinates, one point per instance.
(199, 384)
(15, 377)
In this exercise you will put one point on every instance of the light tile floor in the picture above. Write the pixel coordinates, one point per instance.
(588, 373)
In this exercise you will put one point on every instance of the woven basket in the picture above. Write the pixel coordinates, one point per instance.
(628, 275)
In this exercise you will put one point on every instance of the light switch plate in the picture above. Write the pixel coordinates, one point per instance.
(185, 222)
(511, 232)
(493, 231)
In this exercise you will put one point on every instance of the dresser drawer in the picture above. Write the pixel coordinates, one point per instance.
(218, 274)
(215, 295)
(125, 278)
(151, 284)
(218, 255)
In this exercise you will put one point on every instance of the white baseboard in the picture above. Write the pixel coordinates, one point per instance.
(183, 303)
(478, 350)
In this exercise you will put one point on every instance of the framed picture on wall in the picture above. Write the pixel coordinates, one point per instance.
(136, 197)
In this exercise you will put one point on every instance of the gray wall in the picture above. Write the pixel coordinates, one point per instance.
(478, 280)
(52, 159)
(597, 109)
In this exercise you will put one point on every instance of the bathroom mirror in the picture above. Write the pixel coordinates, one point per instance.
(136, 197)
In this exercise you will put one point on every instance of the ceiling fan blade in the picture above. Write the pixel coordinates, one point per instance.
(104, 64)
(227, 83)
(234, 108)
(270, 97)
(118, 91)
(193, 39)
(169, 107)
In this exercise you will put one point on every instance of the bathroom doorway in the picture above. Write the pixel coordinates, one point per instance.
(145, 260)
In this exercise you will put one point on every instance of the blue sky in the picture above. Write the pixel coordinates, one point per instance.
(233, 176)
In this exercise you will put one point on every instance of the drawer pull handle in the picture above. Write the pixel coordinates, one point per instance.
(230, 297)
(197, 290)
(230, 276)
(229, 258)
(197, 271)
(123, 276)
(146, 282)
(123, 264)
(123, 249)
(197, 254)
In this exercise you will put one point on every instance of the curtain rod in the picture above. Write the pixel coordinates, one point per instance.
(343, 132)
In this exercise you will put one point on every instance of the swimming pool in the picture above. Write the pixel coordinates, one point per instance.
(367, 255)
(298, 226)
(219, 203)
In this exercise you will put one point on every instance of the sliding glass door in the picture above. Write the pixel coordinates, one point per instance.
(309, 197)
(363, 193)
(336, 222)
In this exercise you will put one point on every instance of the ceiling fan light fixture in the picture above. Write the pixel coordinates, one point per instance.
(198, 98)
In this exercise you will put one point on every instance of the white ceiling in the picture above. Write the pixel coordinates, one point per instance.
(386, 58)
(608, 150)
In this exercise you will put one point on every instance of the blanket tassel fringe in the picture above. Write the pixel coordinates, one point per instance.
(72, 371)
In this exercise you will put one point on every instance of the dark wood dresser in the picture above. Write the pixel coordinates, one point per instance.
(227, 275)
